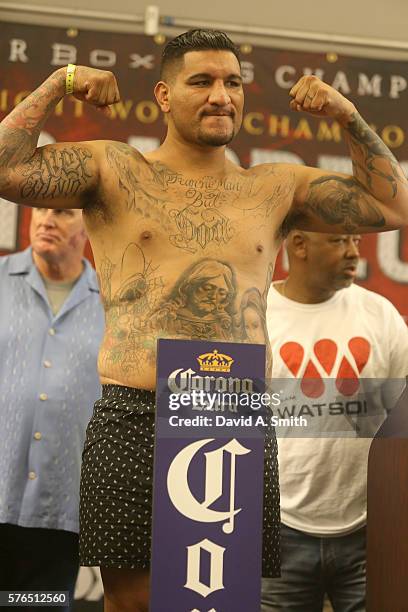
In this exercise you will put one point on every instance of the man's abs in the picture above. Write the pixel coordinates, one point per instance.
(148, 297)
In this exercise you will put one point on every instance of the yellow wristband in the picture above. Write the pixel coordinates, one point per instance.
(69, 80)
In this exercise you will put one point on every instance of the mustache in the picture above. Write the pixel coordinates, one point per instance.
(219, 112)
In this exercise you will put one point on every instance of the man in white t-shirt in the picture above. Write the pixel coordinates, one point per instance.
(340, 354)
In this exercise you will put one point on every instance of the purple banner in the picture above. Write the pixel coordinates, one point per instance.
(208, 477)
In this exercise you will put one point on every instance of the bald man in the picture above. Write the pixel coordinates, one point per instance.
(51, 325)
(339, 341)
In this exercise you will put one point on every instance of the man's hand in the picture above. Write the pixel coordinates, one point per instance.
(312, 95)
(97, 87)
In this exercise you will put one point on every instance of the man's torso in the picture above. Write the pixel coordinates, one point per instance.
(181, 257)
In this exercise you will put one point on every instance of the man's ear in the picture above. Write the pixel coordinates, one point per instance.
(162, 93)
(297, 244)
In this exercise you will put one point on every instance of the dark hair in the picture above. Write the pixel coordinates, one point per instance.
(196, 40)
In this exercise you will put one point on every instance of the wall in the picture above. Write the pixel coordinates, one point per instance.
(363, 20)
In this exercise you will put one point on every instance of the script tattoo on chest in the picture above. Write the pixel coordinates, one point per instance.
(195, 213)
(201, 222)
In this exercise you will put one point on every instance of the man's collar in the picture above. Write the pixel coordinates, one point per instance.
(90, 275)
(22, 263)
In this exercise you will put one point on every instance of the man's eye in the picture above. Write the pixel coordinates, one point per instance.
(235, 84)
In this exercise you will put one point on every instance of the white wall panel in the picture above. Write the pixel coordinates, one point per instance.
(367, 19)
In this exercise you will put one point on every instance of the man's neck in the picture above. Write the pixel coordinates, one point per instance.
(58, 271)
(299, 290)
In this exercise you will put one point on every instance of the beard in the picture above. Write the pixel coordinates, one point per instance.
(208, 136)
(214, 139)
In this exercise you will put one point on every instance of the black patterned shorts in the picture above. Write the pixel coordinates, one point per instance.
(116, 485)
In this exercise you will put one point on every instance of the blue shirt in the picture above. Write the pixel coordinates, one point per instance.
(48, 384)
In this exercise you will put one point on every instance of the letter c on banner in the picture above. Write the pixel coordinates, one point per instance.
(181, 494)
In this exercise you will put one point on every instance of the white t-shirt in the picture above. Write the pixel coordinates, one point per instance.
(328, 351)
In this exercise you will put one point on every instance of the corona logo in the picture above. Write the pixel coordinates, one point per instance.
(215, 362)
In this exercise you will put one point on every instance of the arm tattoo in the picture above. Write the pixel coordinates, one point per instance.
(343, 201)
(371, 157)
(46, 173)
(20, 130)
(56, 173)
(12, 143)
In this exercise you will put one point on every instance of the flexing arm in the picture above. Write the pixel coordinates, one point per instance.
(374, 199)
(58, 175)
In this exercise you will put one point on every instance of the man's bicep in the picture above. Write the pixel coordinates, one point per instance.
(337, 203)
(60, 175)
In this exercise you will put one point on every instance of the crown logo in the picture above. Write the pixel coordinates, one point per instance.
(215, 362)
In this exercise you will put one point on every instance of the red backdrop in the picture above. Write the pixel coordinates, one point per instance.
(270, 132)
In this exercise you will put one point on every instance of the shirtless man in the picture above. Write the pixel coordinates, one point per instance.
(179, 236)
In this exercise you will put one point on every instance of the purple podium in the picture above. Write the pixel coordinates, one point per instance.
(208, 477)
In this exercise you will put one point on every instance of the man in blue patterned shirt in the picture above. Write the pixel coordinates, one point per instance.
(51, 325)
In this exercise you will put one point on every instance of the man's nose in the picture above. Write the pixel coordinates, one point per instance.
(48, 217)
(219, 94)
(352, 250)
